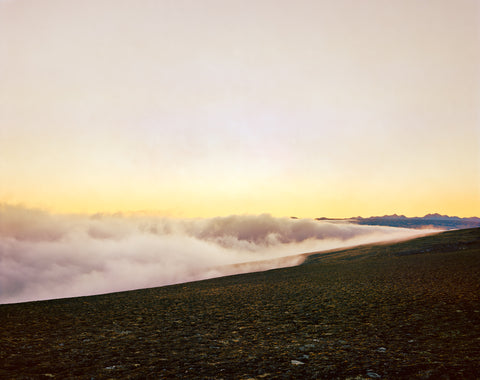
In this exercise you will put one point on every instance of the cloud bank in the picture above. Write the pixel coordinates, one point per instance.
(44, 255)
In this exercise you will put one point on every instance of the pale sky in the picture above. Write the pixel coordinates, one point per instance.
(204, 108)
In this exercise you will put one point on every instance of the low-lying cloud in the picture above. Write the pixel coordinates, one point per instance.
(45, 255)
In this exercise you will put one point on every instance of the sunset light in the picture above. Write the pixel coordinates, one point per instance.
(201, 109)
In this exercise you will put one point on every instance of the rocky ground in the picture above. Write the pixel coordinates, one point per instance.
(389, 312)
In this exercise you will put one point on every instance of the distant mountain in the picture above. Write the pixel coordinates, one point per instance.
(429, 220)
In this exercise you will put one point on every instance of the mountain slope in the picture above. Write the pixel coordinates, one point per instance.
(449, 241)
(398, 311)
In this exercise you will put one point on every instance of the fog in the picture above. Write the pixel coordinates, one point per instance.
(45, 255)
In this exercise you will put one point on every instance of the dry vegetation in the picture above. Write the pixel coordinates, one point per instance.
(408, 310)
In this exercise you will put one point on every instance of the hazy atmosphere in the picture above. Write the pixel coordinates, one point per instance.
(146, 142)
(209, 108)
(45, 256)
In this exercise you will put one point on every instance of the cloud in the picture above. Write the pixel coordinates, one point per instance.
(44, 255)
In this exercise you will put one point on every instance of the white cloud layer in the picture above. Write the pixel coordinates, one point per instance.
(44, 255)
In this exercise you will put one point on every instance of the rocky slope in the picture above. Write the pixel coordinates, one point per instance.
(391, 311)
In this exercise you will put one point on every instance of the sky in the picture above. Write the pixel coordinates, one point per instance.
(221, 107)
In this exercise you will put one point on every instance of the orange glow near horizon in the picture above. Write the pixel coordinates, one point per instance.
(302, 205)
(307, 109)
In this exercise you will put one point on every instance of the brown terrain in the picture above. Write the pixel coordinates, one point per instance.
(408, 310)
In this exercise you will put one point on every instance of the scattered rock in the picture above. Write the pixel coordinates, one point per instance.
(114, 367)
(296, 362)
(373, 375)
(306, 347)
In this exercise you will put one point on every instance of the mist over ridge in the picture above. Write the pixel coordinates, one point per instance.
(45, 255)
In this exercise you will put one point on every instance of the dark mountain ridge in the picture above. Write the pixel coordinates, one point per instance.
(428, 221)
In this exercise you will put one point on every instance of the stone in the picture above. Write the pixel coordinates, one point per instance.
(373, 375)
(306, 347)
(296, 362)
